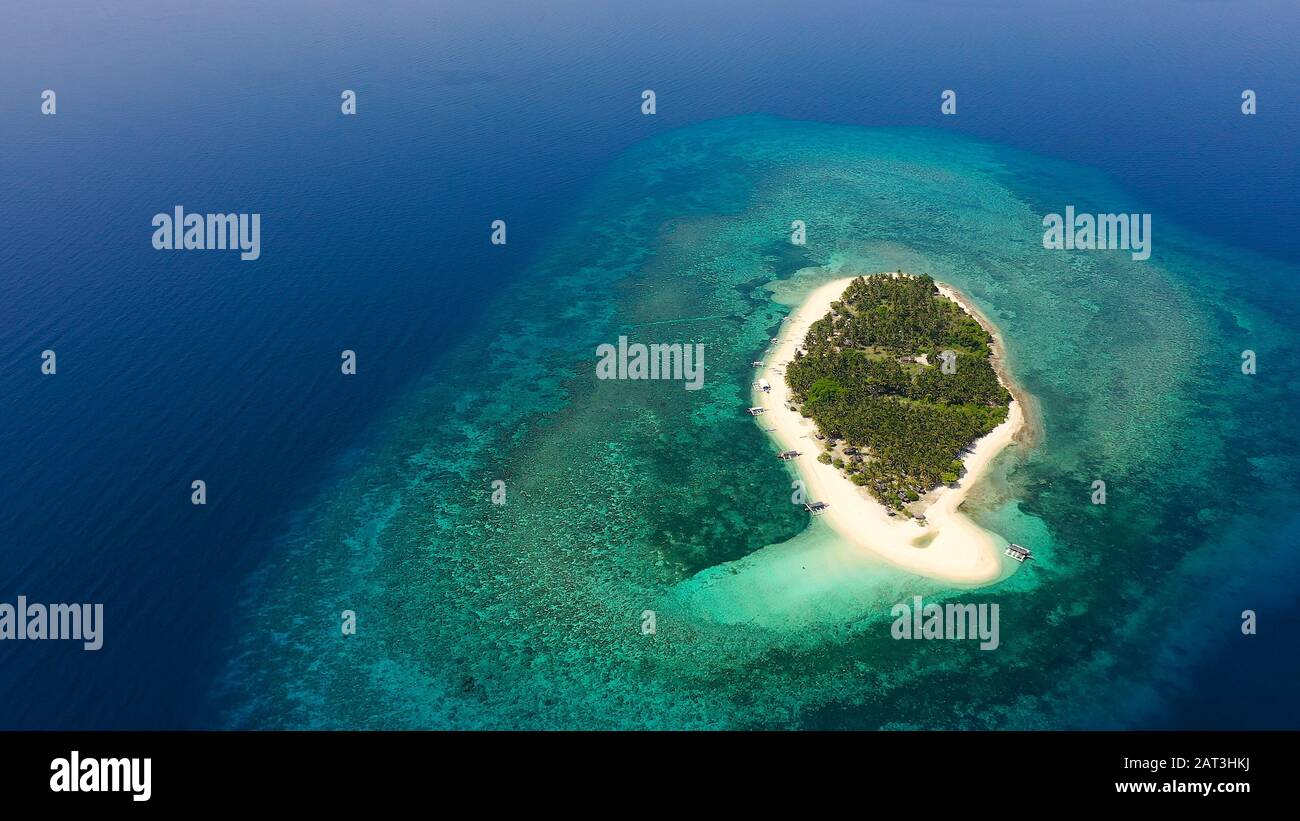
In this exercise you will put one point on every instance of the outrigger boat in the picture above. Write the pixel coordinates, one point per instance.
(1018, 553)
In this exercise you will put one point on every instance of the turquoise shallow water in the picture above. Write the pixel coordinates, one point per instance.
(627, 496)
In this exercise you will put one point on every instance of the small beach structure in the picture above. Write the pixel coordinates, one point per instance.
(756, 411)
(816, 507)
(787, 455)
(1018, 553)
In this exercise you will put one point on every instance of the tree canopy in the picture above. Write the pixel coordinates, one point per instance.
(871, 375)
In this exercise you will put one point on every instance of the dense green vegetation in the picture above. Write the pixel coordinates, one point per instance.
(869, 375)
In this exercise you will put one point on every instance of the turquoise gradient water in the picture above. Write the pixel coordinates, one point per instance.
(631, 496)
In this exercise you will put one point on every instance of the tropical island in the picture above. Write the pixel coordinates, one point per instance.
(899, 381)
(856, 398)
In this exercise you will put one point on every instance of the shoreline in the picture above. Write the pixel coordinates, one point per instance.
(949, 547)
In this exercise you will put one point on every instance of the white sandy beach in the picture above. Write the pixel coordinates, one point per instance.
(959, 551)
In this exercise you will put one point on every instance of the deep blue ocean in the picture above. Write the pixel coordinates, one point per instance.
(174, 367)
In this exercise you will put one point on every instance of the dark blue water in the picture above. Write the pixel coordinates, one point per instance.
(183, 366)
